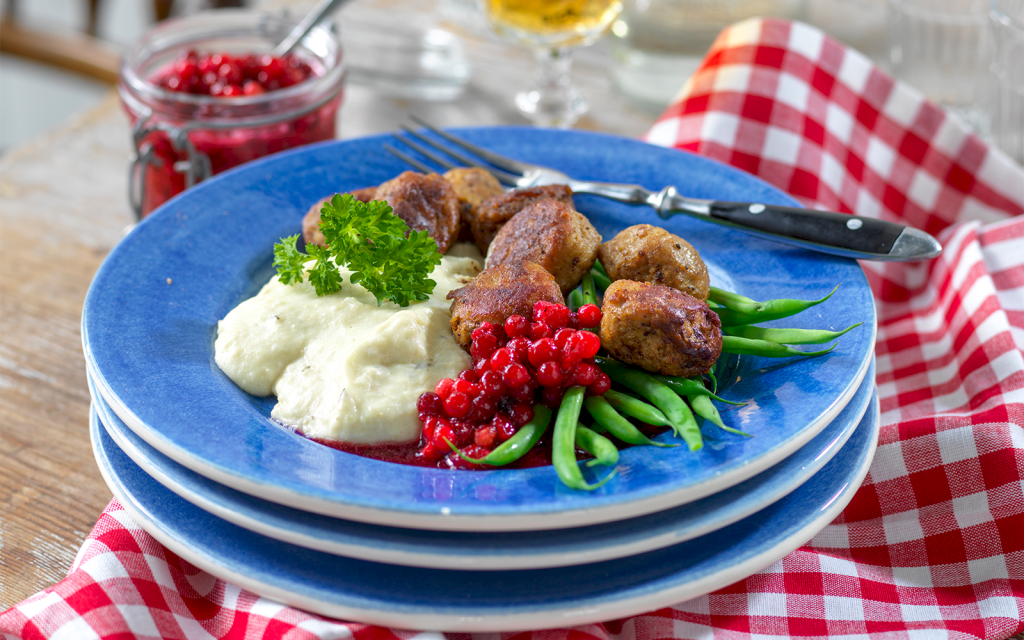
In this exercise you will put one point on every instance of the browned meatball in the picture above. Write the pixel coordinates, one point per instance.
(426, 202)
(650, 254)
(472, 186)
(498, 293)
(493, 213)
(311, 221)
(552, 234)
(659, 329)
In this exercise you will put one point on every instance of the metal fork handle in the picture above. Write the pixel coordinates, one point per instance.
(825, 231)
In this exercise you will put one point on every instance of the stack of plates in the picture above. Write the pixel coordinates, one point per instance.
(199, 464)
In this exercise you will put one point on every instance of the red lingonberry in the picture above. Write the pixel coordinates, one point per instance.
(601, 384)
(589, 316)
(557, 315)
(444, 388)
(430, 404)
(516, 326)
(539, 309)
(483, 345)
(457, 405)
(524, 393)
(485, 436)
(520, 346)
(483, 409)
(252, 88)
(428, 427)
(590, 344)
(502, 358)
(468, 375)
(549, 374)
(442, 435)
(541, 351)
(562, 336)
(492, 384)
(551, 397)
(585, 374)
(485, 328)
(515, 375)
(504, 426)
(539, 330)
(520, 414)
(482, 366)
(470, 389)
(431, 453)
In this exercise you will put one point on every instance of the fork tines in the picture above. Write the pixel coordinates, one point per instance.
(431, 146)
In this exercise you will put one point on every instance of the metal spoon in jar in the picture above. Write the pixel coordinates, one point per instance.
(313, 18)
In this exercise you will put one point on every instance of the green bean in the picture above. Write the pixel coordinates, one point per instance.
(714, 380)
(679, 415)
(600, 268)
(764, 348)
(576, 299)
(589, 292)
(600, 279)
(563, 442)
(521, 441)
(635, 408)
(703, 407)
(607, 417)
(770, 310)
(691, 387)
(595, 444)
(734, 301)
(788, 336)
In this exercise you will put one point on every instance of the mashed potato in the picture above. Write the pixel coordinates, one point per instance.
(343, 368)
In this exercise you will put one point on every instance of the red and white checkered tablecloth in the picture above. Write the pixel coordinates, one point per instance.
(932, 545)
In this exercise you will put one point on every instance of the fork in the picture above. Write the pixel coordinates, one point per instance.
(824, 231)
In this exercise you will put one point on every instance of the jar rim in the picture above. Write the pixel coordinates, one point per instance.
(176, 34)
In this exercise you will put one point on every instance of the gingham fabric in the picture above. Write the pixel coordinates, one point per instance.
(932, 545)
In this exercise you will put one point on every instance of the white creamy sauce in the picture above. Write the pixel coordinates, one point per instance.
(343, 368)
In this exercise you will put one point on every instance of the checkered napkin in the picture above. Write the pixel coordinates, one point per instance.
(932, 545)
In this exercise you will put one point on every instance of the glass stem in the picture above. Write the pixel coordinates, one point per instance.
(553, 101)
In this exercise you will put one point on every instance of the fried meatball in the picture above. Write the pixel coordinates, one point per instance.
(500, 292)
(650, 254)
(493, 213)
(311, 221)
(659, 329)
(426, 202)
(472, 186)
(552, 234)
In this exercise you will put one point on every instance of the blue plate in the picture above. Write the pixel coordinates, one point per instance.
(150, 318)
(494, 550)
(447, 600)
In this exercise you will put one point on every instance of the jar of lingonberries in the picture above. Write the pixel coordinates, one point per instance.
(204, 94)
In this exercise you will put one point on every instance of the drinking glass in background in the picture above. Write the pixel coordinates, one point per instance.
(657, 44)
(552, 28)
(944, 49)
(1007, 21)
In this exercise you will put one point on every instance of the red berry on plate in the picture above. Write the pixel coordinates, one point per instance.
(485, 436)
(524, 393)
(551, 397)
(520, 414)
(430, 404)
(457, 405)
(549, 374)
(492, 384)
(515, 375)
(542, 351)
(562, 336)
(601, 384)
(516, 326)
(540, 330)
(443, 434)
(520, 346)
(502, 358)
(590, 344)
(589, 315)
(444, 387)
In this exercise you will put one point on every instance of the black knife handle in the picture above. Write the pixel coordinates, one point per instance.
(837, 230)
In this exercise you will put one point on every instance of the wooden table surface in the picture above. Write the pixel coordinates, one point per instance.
(64, 207)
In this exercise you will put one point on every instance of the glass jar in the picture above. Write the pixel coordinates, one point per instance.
(183, 138)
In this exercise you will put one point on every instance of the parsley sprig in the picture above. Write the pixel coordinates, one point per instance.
(370, 240)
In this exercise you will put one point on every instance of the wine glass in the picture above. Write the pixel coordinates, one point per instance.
(551, 28)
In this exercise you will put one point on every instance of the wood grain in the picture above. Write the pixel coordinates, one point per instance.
(64, 206)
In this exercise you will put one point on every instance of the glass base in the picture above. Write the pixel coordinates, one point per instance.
(550, 108)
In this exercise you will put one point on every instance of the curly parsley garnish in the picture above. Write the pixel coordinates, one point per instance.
(370, 240)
